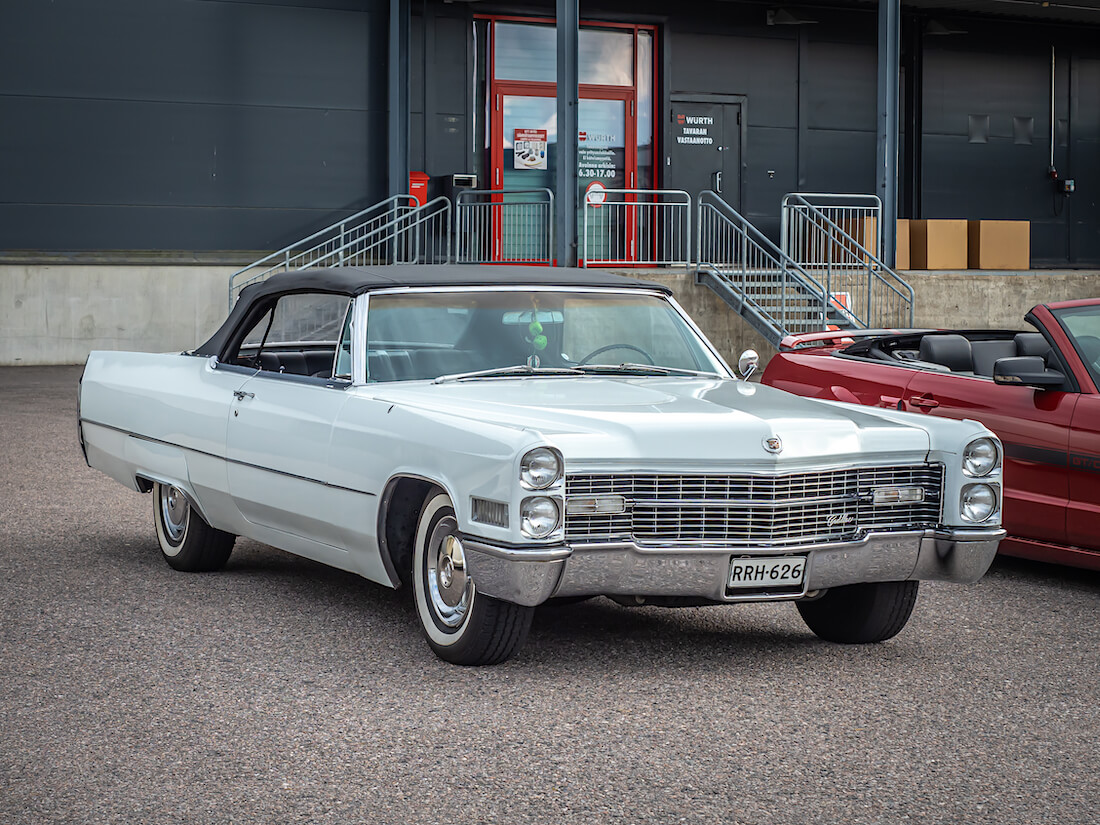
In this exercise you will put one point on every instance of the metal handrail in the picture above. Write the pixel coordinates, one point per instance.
(781, 296)
(857, 271)
(294, 256)
(636, 227)
(398, 240)
(846, 209)
(492, 228)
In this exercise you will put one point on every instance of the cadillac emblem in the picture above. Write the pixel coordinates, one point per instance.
(773, 444)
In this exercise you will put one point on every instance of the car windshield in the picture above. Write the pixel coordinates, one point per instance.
(426, 335)
(1083, 326)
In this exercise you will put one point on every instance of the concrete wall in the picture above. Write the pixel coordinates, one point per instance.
(58, 313)
(993, 300)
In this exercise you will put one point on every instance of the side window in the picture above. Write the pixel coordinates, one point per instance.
(342, 369)
(307, 318)
(298, 335)
(254, 338)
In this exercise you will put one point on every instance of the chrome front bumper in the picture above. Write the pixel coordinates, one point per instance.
(530, 577)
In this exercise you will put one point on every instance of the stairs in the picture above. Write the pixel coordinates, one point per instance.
(758, 281)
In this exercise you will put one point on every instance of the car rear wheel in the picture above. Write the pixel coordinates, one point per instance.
(186, 541)
(861, 613)
(462, 626)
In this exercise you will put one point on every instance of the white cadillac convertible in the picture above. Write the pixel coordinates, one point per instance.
(499, 436)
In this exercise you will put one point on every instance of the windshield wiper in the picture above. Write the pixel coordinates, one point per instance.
(522, 370)
(640, 369)
(504, 372)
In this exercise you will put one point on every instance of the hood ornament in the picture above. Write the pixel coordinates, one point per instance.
(773, 444)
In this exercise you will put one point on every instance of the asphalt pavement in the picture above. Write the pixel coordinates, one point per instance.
(282, 691)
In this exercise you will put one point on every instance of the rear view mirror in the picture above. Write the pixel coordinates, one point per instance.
(1027, 371)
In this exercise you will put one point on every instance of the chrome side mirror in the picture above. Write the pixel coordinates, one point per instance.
(747, 363)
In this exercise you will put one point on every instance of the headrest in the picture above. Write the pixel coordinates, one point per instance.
(988, 353)
(1031, 343)
(953, 351)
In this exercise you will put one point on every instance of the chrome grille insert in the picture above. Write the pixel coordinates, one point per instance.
(748, 510)
(486, 511)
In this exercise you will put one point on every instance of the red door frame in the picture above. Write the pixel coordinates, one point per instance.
(585, 91)
(624, 94)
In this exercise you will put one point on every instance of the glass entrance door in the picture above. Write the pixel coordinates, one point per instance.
(615, 72)
(524, 156)
(605, 162)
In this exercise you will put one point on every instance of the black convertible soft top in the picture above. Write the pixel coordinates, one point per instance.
(355, 280)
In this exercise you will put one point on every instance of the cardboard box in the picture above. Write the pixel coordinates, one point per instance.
(865, 232)
(901, 245)
(938, 244)
(999, 244)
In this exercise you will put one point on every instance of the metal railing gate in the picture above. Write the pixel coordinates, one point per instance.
(636, 227)
(825, 272)
(829, 241)
(504, 226)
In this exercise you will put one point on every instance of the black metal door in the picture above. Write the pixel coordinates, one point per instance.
(705, 149)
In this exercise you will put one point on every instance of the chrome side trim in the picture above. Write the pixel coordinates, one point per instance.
(226, 460)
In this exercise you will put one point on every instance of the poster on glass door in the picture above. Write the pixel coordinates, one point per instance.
(601, 157)
(529, 149)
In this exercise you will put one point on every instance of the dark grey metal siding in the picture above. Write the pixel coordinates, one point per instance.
(247, 124)
(811, 108)
(987, 133)
(986, 143)
(443, 111)
(187, 124)
(811, 98)
(1084, 158)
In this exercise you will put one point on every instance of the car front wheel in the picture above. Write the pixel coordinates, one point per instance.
(462, 626)
(186, 541)
(861, 613)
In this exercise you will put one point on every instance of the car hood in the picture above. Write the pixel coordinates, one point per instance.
(659, 421)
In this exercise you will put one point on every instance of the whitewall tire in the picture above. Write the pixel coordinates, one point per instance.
(461, 625)
(186, 541)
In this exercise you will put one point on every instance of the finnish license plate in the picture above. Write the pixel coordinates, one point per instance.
(785, 571)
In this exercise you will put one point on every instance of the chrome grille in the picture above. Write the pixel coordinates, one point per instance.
(750, 510)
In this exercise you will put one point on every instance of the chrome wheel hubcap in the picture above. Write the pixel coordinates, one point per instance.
(174, 510)
(449, 587)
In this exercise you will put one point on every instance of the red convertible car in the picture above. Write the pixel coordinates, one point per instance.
(1037, 390)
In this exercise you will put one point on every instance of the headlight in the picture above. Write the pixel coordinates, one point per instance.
(539, 468)
(539, 516)
(978, 502)
(980, 457)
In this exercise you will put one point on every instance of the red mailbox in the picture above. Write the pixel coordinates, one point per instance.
(418, 187)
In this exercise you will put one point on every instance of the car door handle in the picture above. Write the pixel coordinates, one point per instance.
(924, 402)
(242, 395)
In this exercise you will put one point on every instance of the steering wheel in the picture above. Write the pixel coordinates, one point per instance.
(595, 352)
